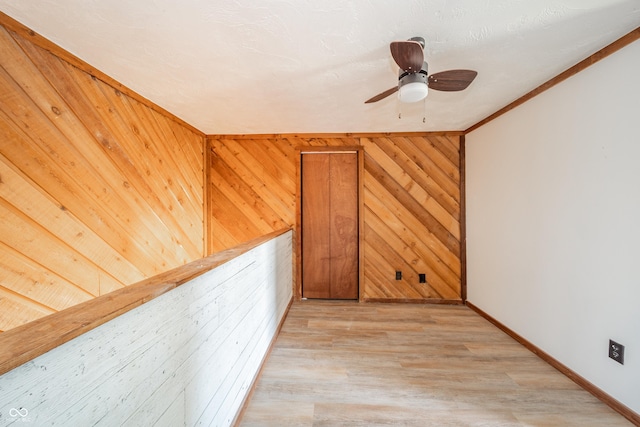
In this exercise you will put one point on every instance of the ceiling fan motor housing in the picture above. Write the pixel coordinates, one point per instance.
(419, 40)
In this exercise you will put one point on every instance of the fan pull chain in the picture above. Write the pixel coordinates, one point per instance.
(424, 110)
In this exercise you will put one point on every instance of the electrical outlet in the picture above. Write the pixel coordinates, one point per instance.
(398, 275)
(423, 278)
(616, 352)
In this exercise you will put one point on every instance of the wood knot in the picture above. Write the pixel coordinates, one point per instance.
(56, 110)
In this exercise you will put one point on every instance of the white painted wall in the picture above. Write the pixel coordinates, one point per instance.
(553, 221)
(187, 357)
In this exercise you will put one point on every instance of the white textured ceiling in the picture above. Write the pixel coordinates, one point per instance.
(299, 66)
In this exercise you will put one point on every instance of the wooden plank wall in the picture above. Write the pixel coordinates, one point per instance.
(97, 189)
(411, 204)
(187, 357)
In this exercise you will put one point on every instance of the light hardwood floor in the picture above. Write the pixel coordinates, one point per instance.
(350, 364)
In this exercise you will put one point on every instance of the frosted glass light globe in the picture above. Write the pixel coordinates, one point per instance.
(413, 92)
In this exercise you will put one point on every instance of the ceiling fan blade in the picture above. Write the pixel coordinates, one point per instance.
(382, 95)
(408, 55)
(451, 80)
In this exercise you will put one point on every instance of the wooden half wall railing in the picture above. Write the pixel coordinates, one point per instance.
(26, 342)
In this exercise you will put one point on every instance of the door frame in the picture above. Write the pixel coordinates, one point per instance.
(300, 151)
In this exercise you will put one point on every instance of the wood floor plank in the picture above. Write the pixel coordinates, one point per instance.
(344, 363)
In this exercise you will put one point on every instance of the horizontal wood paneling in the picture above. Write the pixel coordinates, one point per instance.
(97, 190)
(186, 357)
(411, 204)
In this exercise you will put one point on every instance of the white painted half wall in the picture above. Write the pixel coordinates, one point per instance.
(187, 357)
(553, 221)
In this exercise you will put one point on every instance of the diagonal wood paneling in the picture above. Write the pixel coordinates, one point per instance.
(253, 185)
(412, 200)
(411, 204)
(97, 189)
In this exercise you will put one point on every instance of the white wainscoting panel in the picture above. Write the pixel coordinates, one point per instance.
(187, 357)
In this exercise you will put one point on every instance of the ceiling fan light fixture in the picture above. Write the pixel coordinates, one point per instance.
(413, 92)
(414, 80)
(413, 87)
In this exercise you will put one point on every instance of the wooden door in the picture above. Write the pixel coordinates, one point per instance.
(329, 225)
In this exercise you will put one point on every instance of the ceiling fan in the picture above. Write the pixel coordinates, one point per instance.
(414, 81)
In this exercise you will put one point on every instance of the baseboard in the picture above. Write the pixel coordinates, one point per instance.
(414, 301)
(582, 382)
(252, 387)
